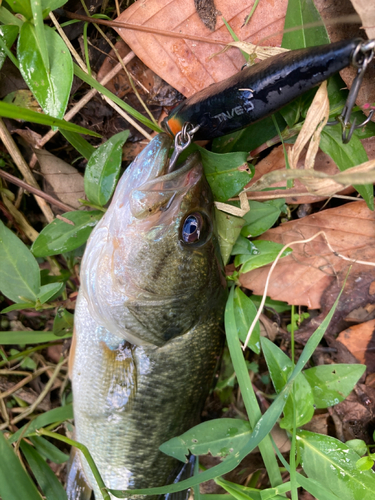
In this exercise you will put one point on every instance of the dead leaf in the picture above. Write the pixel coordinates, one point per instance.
(360, 341)
(302, 277)
(366, 11)
(63, 181)
(186, 64)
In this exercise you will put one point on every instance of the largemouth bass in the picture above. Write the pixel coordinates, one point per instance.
(148, 323)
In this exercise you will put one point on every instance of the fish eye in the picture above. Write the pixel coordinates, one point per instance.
(195, 228)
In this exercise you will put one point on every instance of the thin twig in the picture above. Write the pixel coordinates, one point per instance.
(35, 191)
(24, 169)
(147, 29)
(23, 382)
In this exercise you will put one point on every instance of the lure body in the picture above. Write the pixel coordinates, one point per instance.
(148, 323)
(259, 90)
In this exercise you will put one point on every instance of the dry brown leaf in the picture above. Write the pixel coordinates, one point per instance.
(186, 64)
(366, 11)
(62, 180)
(360, 341)
(302, 277)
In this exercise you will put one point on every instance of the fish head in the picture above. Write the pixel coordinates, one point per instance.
(152, 265)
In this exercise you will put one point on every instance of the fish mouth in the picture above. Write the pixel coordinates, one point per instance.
(162, 191)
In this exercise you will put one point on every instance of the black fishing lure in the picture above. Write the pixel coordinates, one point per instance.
(260, 90)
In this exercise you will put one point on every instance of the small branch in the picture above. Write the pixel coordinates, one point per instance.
(36, 191)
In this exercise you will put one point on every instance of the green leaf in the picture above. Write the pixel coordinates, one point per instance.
(277, 305)
(15, 483)
(280, 366)
(48, 5)
(9, 19)
(365, 463)
(357, 445)
(19, 270)
(46, 478)
(228, 230)
(261, 216)
(8, 35)
(21, 7)
(250, 137)
(103, 90)
(59, 236)
(103, 169)
(27, 337)
(227, 174)
(49, 292)
(8, 110)
(238, 491)
(19, 307)
(49, 450)
(56, 415)
(267, 253)
(63, 322)
(51, 86)
(219, 437)
(346, 156)
(333, 464)
(79, 143)
(300, 13)
(40, 37)
(331, 384)
(245, 312)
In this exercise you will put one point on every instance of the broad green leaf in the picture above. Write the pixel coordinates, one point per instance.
(103, 169)
(46, 478)
(15, 483)
(277, 305)
(8, 35)
(8, 110)
(56, 415)
(103, 90)
(244, 246)
(49, 450)
(267, 253)
(346, 156)
(331, 384)
(79, 143)
(219, 437)
(48, 5)
(245, 312)
(364, 463)
(21, 7)
(228, 230)
(27, 337)
(51, 86)
(19, 307)
(49, 292)
(357, 445)
(280, 366)
(227, 174)
(63, 322)
(250, 137)
(9, 19)
(297, 33)
(19, 270)
(261, 216)
(264, 424)
(333, 464)
(59, 236)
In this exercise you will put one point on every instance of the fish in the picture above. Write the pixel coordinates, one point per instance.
(148, 323)
(259, 90)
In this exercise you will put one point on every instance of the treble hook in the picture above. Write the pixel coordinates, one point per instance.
(362, 56)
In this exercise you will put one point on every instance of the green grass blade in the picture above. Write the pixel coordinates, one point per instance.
(15, 483)
(46, 478)
(27, 337)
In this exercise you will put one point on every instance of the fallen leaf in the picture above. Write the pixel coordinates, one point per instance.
(63, 181)
(302, 277)
(187, 64)
(360, 341)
